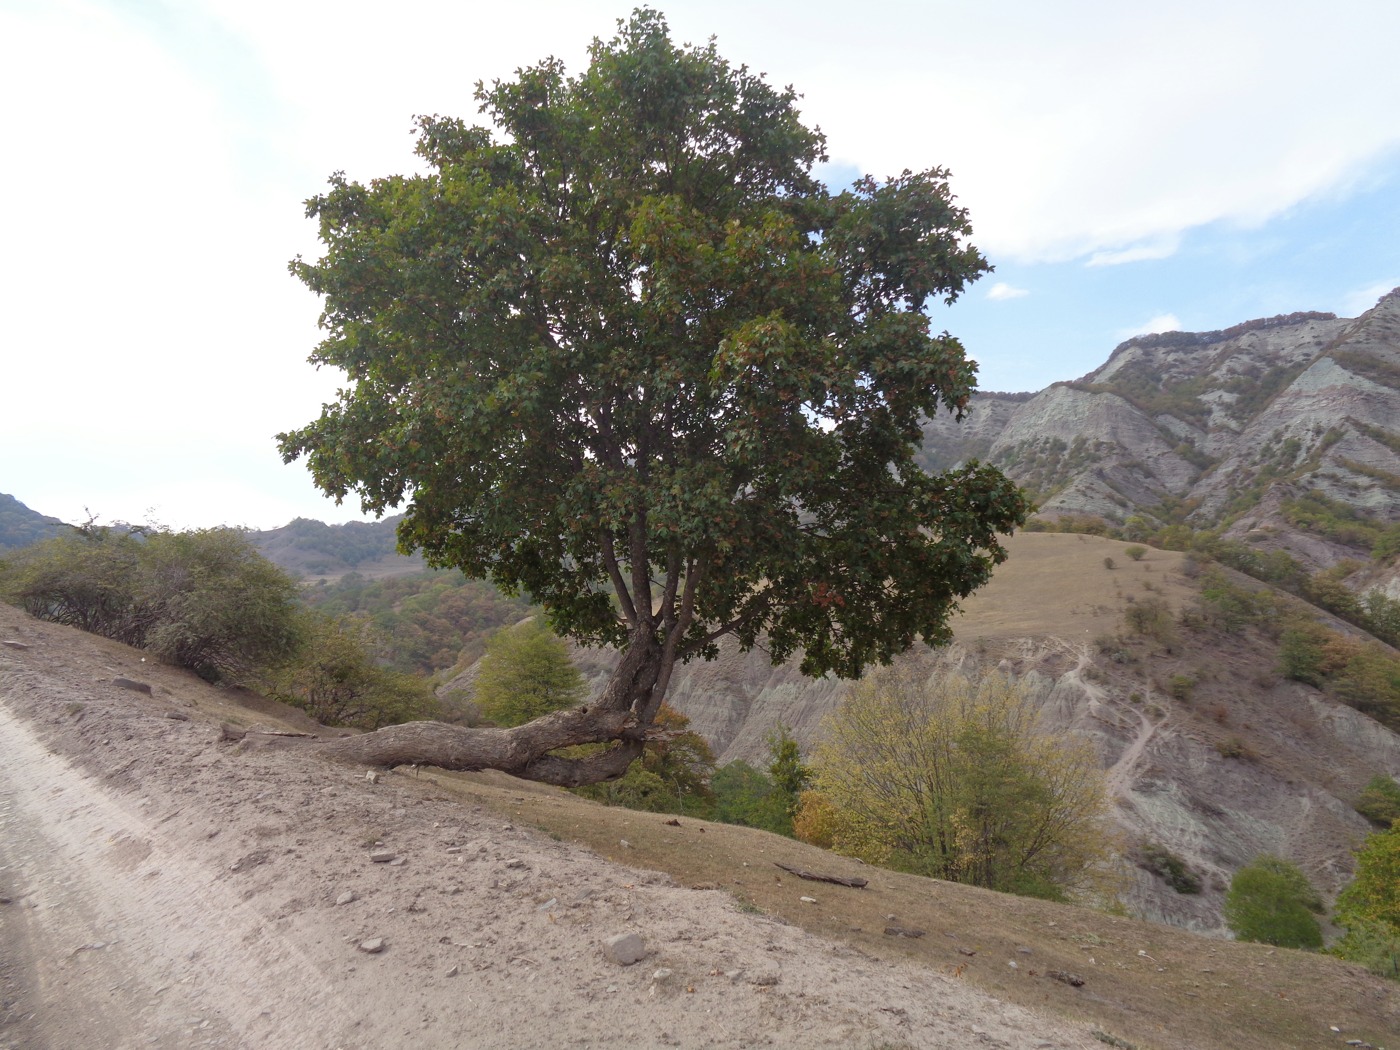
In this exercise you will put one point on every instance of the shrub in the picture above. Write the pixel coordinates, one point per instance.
(204, 600)
(1379, 801)
(1271, 901)
(336, 679)
(1181, 686)
(955, 779)
(1136, 552)
(525, 673)
(1167, 866)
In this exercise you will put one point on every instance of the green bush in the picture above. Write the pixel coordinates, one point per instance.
(1379, 801)
(205, 600)
(1270, 901)
(1369, 909)
(1136, 552)
(336, 679)
(526, 673)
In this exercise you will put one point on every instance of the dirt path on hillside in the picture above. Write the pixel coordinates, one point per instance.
(163, 889)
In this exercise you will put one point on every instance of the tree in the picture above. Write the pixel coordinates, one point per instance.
(745, 795)
(1379, 801)
(1369, 908)
(526, 673)
(955, 779)
(1374, 895)
(626, 355)
(790, 774)
(1271, 901)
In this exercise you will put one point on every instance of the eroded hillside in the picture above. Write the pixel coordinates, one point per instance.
(1213, 756)
(1281, 430)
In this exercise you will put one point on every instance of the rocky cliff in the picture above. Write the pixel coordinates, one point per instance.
(1285, 431)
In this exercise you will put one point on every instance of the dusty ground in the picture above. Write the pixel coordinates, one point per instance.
(162, 888)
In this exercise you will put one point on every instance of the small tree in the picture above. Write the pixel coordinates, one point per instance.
(1271, 901)
(624, 353)
(672, 776)
(790, 774)
(956, 779)
(745, 795)
(526, 673)
(1369, 908)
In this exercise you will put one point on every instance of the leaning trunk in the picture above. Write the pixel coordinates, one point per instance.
(619, 717)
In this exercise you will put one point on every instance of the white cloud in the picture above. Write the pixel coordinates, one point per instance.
(160, 153)
(1001, 290)
(1360, 300)
(1162, 248)
(1152, 326)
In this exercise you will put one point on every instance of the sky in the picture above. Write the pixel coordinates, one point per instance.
(1127, 167)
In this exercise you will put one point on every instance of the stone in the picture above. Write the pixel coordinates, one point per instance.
(346, 897)
(624, 949)
(10, 643)
(129, 683)
(373, 946)
(383, 856)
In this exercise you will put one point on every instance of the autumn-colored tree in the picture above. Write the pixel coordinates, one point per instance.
(1369, 908)
(958, 780)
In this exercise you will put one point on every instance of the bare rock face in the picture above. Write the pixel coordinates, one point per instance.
(1222, 429)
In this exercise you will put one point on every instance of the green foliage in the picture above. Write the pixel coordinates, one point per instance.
(791, 776)
(748, 796)
(1181, 687)
(672, 776)
(337, 681)
(1369, 908)
(956, 780)
(625, 338)
(526, 673)
(1300, 654)
(1271, 901)
(425, 622)
(1167, 866)
(1335, 520)
(204, 600)
(1151, 619)
(1230, 606)
(1379, 801)
(1374, 895)
(1373, 945)
(1136, 552)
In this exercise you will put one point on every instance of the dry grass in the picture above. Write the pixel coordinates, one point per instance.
(1156, 987)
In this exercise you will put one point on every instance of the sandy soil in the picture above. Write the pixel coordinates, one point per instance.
(162, 888)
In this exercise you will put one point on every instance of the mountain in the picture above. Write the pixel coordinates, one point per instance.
(20, 526)
(314, 550)
(1284, 432)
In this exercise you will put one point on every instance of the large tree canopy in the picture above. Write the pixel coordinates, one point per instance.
(623, 352)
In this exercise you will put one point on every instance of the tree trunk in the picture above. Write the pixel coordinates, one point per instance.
(524, 751)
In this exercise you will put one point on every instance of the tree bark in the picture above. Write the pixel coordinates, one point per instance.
(617, 716)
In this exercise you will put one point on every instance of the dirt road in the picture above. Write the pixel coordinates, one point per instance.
(168, 890)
